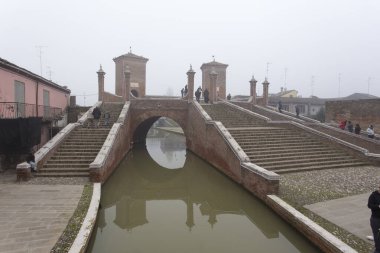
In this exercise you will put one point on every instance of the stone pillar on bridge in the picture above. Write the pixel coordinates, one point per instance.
(213, 95)
(190, 84)
(265, 92)
(127, 78)
(253, 82)
(101, 74)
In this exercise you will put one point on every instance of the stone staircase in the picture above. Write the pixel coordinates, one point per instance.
(78, 150)
(280, 149)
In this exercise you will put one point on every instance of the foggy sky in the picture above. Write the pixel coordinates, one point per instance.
(307, 37)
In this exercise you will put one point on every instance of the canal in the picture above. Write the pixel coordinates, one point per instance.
(163, 198)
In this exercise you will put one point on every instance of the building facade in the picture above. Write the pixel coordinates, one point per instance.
(32, 109)
(137, 66)
(220, 69)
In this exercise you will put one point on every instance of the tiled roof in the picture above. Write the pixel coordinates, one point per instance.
(130, 55)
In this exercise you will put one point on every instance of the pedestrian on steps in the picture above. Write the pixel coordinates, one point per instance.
(107, 117)
(96, 113)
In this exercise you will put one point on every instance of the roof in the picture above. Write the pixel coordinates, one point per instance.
(130, 55)
(214, 64)
(13, 67)
(355, 96)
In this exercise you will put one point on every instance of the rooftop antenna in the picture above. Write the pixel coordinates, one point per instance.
(312, 85)
(339, 78)
(267, 76)
(49, 72)
(39, 47)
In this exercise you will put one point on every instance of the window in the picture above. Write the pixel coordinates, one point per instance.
(46, 103)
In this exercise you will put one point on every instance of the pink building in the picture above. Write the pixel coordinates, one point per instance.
(25, 94)
(30, 108)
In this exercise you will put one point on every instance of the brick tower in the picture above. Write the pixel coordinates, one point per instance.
(137, 68)
(220, 69)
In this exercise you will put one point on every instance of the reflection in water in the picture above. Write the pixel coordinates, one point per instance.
(167, 149)
(148, 208)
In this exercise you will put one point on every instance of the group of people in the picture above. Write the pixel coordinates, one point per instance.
(94, 117)
(357, 129)
(198, 94)
(184, 91)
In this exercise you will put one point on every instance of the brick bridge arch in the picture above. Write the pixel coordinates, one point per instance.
(145, 112)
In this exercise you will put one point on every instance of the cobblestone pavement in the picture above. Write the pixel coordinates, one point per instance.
(338, 195)
(34, 214)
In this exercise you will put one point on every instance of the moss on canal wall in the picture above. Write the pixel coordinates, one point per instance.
(69, 234)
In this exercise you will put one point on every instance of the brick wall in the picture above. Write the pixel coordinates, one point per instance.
(364, 112)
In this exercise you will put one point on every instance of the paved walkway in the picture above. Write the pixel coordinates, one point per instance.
(350, 213)
(33, 216)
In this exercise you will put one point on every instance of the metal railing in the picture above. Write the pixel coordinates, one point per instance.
(12, 110)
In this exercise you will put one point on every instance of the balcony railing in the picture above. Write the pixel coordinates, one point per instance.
(12, 110)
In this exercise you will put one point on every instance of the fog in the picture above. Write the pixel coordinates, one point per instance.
(304, 38)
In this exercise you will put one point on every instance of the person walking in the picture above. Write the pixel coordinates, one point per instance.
(370, 132)
(205, 95)
(357, 128)
(229, 96)
(374, 205)
(350, 126)
(342, 124)
(280, 106)
(96, 113)
(297, 111)
(107, 117)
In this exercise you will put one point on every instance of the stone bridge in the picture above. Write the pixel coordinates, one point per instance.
(206, 138)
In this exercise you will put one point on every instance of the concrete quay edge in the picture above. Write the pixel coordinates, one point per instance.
(84, 235)
(302, 224)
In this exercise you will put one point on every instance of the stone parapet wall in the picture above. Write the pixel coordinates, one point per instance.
(371, 145)
(364, 112)
(108, 97)
(316, 234)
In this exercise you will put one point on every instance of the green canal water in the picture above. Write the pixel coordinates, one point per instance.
(163, 198)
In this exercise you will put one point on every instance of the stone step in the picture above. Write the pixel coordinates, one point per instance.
(264, 141)
(72, 157)
(292, 156)
(49, 165)
(74, 169)
(62, 174)
(76, 153)
(320, 167)
(328, 163)
(70, 161)
(79, 150)
(83, 142)
(271, 151)
(81, 146)
(301, 160)
(278, 146)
